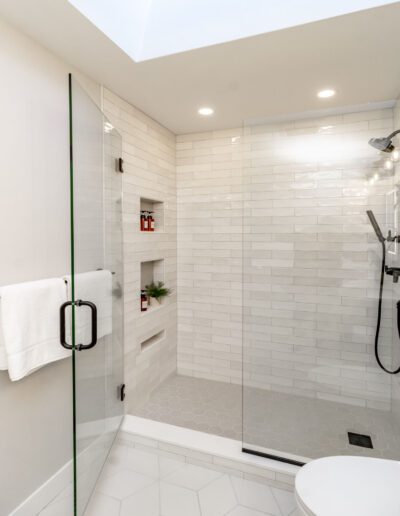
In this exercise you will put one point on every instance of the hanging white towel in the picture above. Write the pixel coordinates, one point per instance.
(3, 355)
(96, 287)
(30, 323)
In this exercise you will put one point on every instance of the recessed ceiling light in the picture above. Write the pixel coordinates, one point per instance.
(205, 111)
(325, 94)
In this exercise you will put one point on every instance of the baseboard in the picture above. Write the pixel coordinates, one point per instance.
(46, 492)
(63, 478)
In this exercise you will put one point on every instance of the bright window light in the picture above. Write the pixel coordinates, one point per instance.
(146, 29)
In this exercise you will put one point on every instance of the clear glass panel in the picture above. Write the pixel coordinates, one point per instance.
(312, 268)
(97, 277)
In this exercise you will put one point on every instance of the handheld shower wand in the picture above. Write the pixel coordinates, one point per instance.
(382, 240)
(376, 227)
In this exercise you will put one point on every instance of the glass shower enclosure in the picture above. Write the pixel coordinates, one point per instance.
(96, 245)
(312, 264)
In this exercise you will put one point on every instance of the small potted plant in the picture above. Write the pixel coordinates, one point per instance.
(156, 292)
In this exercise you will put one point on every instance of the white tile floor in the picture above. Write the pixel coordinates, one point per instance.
(146, 482)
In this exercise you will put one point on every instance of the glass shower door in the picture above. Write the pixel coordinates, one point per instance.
(95, 289)
(312, 386)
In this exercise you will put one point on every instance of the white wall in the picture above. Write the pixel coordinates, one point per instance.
(35, 422)
(36, 427)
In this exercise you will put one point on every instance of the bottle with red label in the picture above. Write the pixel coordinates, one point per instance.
(146, 221)
(151, 221)
(143, 301)
(142, 217)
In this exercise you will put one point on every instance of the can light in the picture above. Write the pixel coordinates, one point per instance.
(326, 94)
(205, 111)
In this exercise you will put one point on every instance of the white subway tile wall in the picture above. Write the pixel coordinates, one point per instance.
(311, 260)
(394, 262)
(209, 186)
(148, 151)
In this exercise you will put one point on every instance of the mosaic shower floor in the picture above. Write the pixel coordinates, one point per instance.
(301, 426)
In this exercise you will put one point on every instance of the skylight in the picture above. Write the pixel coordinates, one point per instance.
(146, 29)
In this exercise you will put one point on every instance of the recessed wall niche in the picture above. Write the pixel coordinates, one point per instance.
(154, 339)
(151, 271)
(156, 209)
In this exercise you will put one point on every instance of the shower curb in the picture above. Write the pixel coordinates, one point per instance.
(208, 450)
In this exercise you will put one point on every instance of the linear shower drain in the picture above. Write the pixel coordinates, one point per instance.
(360, 440)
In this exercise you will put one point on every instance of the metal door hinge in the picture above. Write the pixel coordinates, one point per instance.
(120, 163)
(121, 392)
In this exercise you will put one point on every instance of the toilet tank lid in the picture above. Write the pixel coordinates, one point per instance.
(350, 486)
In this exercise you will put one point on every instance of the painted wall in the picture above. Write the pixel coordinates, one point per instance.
(34, 227)
(35, 423)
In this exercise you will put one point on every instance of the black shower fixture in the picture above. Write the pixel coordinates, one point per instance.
(391, 271)
(384, 144)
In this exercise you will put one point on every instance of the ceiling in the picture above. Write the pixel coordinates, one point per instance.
(270, 75)
(146, 29)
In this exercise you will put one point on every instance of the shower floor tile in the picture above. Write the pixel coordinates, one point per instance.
(204, 405)
(177, 488)
(305, 427)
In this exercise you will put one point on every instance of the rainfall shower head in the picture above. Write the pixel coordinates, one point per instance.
(375, 225)
(384, 144)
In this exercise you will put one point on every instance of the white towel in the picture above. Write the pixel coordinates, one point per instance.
(96, 287)
(30, 322)
(3, 355)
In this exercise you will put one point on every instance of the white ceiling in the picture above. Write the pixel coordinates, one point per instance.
(274, 74)
(146, 29)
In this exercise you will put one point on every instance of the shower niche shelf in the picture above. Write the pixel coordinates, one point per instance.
(156, 207)
(152, 341)
(150, 310)
(151, 271)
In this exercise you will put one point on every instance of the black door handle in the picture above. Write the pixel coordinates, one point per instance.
(398, 317)
(64, 343)
(93, 309)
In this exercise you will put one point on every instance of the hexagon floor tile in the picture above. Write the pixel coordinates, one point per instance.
(128, 487)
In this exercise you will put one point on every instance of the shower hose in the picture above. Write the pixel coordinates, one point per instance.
(378, 324)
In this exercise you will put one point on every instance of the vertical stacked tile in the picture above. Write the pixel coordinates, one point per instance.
(149, 172)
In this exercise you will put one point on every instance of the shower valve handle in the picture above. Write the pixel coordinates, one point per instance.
(393, 271)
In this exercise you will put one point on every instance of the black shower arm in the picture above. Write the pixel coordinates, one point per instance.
(393, 134)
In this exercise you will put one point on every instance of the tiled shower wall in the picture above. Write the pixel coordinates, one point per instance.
(311, 261)
(148, 151)
(209, 189)
(395, 262)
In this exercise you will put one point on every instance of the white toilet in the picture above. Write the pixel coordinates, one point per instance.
(349, 486)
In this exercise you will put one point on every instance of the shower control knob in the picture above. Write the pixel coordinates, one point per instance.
(393, 271)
